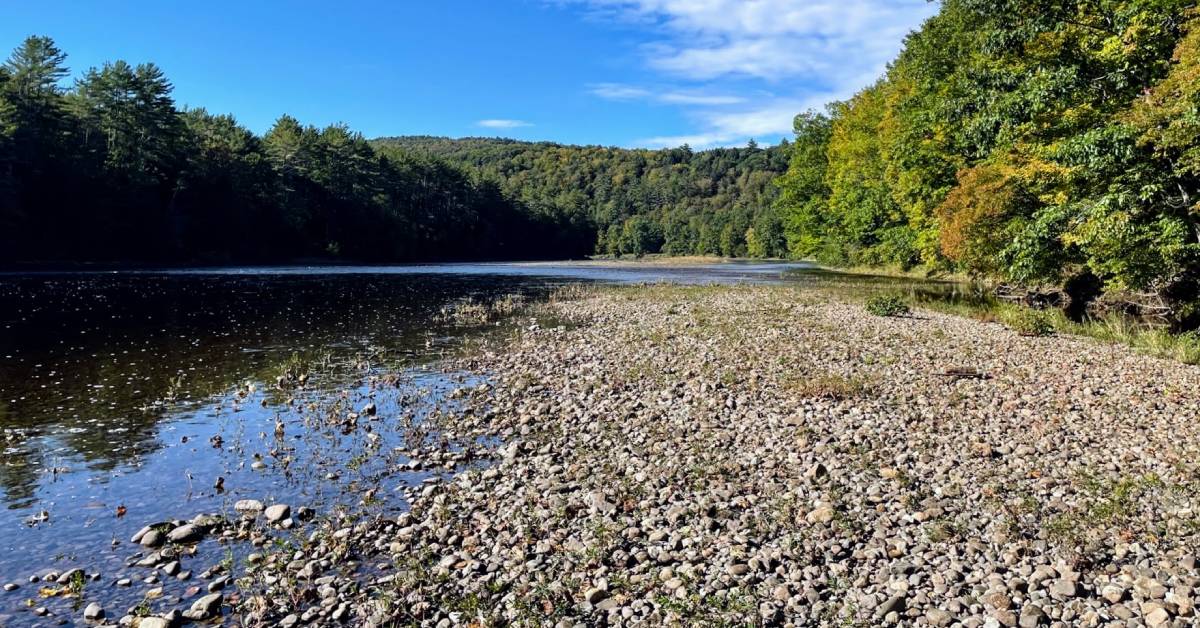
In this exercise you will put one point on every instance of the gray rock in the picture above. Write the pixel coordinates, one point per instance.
(186, 533)
(248, 506)
(137, 536)
(938, 617)
(1032, 616)
(277, 512)
(894, 604)
(1063, 589)
(93, 612)
(205, 607)
(153, 538)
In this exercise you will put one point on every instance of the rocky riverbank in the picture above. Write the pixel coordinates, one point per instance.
(763, 455)
(747, 455)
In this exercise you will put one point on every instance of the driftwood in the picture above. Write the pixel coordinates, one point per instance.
(1149, 308)
(1030, 297)
(964, 372)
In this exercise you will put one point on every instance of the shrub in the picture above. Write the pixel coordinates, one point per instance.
(887, 305)
(1030, 322)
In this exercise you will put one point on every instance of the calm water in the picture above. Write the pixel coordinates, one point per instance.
(135, 391)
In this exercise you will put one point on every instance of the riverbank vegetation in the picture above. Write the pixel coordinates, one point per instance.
(1046, 145)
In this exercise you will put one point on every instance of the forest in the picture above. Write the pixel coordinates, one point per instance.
(1042, 144)
(674, 201)
(110, 169)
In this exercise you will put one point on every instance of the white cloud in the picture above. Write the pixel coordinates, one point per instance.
(621, 92)
(812, 51)
(772, 39)
(771, 118)
(617, 91)
(689, 98)
(503, 124)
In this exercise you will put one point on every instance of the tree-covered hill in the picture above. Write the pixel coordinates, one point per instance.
(1040, 143)
(676, 201)
(110, 169)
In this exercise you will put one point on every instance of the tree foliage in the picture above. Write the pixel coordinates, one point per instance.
(109, 169)
(1026, 141)
(673, 201)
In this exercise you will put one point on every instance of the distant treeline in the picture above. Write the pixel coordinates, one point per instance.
(111, 170)
(1041, 143)
(674, 201)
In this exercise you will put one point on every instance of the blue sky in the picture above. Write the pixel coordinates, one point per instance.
(615, 72)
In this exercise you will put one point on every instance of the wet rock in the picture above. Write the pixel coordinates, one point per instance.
(67, 576)
(153, 538)
(93, 612)
(277, 512)
(204, 607)
(248, 506)
(186, 533)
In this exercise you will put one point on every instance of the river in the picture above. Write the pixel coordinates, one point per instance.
(134, 397)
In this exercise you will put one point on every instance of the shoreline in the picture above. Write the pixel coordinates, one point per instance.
(766, 455)
(762, 455)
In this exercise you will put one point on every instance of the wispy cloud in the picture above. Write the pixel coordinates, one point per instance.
(616, 91)
(800, 53)
(621, 92)
(771, 118)
(503, 124)
(686, 98)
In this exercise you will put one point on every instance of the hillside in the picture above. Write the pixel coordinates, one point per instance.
(676, 201)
